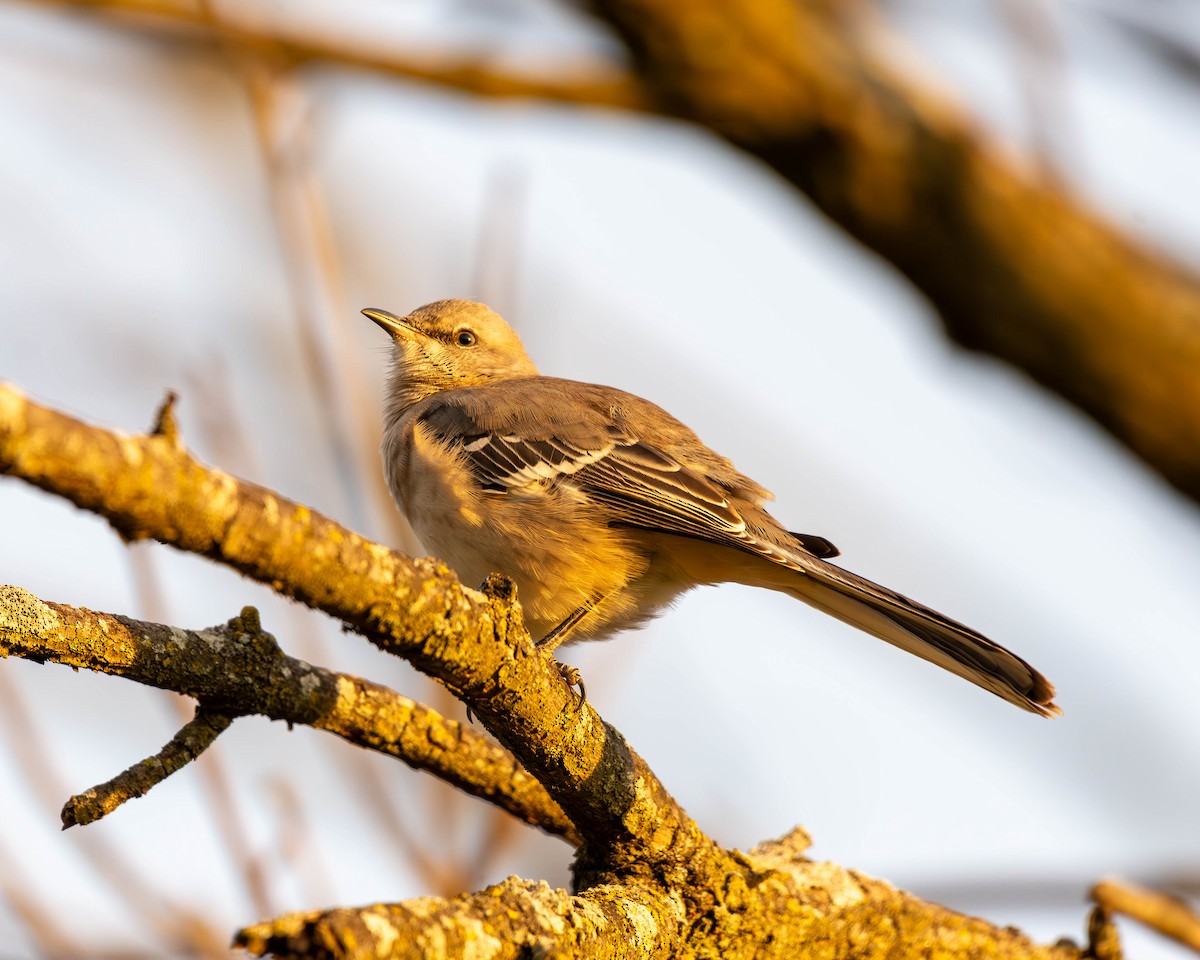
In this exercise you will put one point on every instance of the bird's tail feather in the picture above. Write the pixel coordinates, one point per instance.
(921, 631)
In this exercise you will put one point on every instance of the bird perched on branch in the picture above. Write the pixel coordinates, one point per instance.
(603, 508)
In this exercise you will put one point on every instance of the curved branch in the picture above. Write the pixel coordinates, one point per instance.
(651, 884)
(238, 670)
(475, 643)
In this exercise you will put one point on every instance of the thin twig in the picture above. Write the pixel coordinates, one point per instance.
(171, 920)
(196, 736)
(1042, 77)
(497, 260)
(295, 843)
(43, 929)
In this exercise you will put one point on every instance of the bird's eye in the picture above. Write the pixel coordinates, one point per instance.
(465, 338)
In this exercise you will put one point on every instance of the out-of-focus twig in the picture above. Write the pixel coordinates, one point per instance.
(1165, 914)
(599, 83)
(1015, 267)
(45, 931)
(1154, 28)
(278, 107)
(1040, 71)
(220, 426)
(295, 843)
(349, 414)
(497, 264)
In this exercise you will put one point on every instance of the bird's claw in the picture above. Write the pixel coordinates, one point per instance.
(573, 678)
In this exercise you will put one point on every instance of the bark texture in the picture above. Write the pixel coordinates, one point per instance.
(237, 669)
(193, 738)
(771, 903)
(648, 882)
(473, 642)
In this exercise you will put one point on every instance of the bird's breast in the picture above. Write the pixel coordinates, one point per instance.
(544, 535)
(433, 486)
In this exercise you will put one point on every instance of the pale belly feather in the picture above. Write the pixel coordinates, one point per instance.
(557, 549)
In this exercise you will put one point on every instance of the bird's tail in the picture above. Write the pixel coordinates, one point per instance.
(919, 630)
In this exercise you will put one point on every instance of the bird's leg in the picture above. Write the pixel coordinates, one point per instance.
(555, 637)
(551, 641)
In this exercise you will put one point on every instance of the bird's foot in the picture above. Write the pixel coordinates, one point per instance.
(573, 678)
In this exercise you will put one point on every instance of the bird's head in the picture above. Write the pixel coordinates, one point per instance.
(449, 344)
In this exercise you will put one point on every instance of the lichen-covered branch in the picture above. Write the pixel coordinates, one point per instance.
(192, 739)
(236, 669)
(771, 903)
(475, 643)
(513, 920)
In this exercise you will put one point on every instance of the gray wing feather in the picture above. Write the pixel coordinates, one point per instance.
(640, 485)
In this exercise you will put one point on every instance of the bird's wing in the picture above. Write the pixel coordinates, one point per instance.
(638, 464)
(633, 482)
(641, 484)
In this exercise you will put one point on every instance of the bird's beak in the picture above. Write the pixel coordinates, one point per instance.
(394, 326)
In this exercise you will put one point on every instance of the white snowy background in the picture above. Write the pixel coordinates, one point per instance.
(139, 251)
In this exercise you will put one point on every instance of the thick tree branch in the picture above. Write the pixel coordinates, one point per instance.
(475, 643)
(809, 909)
(649, 883)
(238, 670)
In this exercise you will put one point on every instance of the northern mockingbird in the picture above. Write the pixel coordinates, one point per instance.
(604, 508)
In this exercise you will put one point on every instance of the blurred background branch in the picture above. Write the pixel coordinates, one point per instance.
(1015, 265)
(1168, 915)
